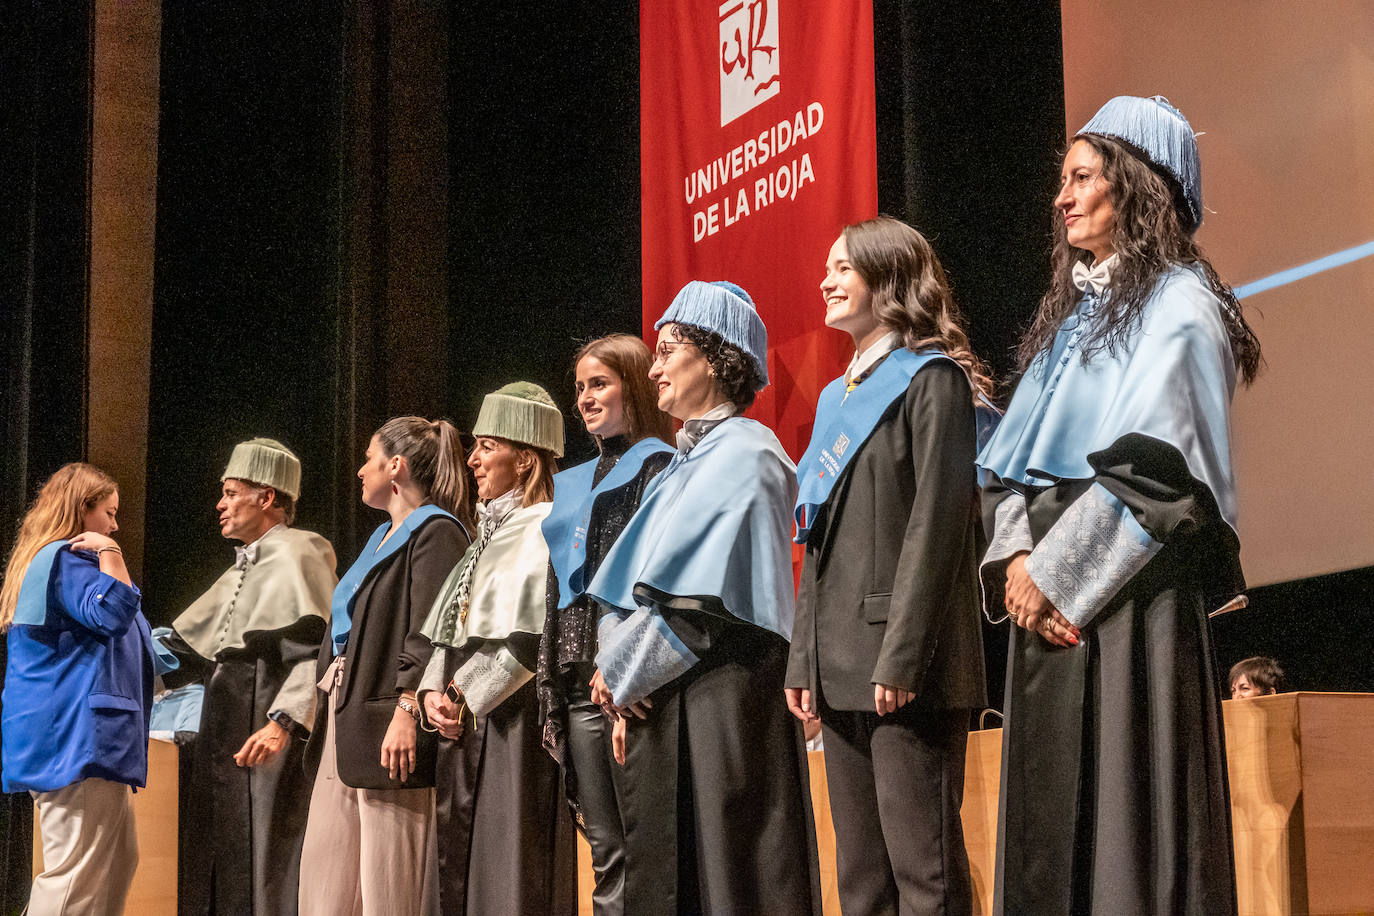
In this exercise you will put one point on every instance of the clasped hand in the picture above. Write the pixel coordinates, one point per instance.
(444, 714)
(1030, 610)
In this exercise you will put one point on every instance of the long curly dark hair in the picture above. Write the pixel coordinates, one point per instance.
(1149, 238)
(910, 292)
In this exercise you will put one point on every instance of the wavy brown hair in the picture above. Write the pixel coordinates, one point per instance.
(58, 514)
(910, 292)
(1150, 237)
(630, 358)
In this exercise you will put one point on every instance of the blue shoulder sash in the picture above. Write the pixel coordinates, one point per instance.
(843, 424)
(346, 592)
(32, 606)
(565, 528)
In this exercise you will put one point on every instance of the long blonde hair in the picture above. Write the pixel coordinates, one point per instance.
(57, 514)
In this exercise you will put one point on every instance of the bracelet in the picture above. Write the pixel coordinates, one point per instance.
(116, 549)
(409, 706)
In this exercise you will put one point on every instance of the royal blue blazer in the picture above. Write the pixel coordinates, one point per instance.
(78, 685)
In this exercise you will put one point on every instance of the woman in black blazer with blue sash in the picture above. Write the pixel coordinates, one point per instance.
(887, 645)
(369, 844)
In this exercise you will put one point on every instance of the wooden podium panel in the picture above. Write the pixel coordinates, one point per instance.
(1301, 769)
(1302, 802)
(154, 891)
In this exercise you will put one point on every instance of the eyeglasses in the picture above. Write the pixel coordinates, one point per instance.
(667, 348)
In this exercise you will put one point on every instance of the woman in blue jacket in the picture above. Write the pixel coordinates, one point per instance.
(78, 689)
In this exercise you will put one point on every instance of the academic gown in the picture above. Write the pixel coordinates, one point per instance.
(252, 818)
(716, 800)
(575, 731)
(1113, 793)
(258, 813)
(506, 842)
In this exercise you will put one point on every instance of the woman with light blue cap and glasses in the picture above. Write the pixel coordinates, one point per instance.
(697, 607)
(1110, 500)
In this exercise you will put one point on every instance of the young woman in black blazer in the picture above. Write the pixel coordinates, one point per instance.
(887, 645)
(369, 840)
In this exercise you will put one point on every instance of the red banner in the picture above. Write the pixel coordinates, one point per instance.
(758, 145)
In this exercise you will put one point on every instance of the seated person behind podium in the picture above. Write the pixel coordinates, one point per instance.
(1256, 677)
(78, 691)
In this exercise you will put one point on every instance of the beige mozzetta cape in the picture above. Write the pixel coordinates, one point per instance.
(292, 578)
(508, 586)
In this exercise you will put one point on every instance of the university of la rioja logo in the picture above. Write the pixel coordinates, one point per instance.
(749, 70)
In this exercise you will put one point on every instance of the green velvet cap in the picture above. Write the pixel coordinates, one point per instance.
(522, 412)
(268, 463)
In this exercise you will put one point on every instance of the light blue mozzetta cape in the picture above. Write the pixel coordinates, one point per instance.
(1172, 381)
(716, 522)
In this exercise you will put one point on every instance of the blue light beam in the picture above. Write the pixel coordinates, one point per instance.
(1293, 274)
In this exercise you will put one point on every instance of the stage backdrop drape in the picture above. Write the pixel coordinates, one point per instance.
(45, 64)
(757, 144)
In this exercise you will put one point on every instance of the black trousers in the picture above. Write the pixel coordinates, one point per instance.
(896, 786)
(597, 801)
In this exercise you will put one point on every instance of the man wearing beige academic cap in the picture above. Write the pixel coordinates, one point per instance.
(254, 637)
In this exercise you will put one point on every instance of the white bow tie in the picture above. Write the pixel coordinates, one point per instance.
(1099, 276)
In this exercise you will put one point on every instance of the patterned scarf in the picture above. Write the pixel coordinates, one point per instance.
(490, 515)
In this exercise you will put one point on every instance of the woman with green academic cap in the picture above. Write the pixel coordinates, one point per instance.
(1111, 503)
(505, 838)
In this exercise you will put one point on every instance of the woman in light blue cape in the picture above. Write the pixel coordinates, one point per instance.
(1110, 502)
(698, 605)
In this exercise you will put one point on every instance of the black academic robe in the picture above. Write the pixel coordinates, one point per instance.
(1113, 795)
(241, 828)
(716, 799)
(506, 842)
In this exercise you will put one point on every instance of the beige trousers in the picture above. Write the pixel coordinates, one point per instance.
(90, 850)
(367, 852)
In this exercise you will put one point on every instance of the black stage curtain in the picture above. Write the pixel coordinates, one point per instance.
(544, 245)
(45, 67)
(970, 131)
(245, 273)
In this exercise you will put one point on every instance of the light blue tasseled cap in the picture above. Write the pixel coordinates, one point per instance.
(1162, 133)
(726, 309)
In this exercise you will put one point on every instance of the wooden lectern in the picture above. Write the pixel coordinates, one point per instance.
(1301, 769)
